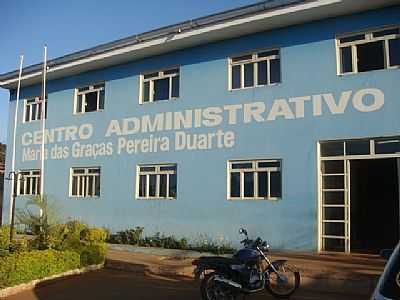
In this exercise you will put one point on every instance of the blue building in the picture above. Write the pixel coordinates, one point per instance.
(281, 117)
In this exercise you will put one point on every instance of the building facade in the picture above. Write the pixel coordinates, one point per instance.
(281, 117)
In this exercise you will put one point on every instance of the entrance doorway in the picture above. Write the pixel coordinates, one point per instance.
(358, 195)
(374, 204)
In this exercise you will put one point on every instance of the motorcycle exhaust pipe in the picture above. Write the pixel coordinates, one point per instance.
(228, 282)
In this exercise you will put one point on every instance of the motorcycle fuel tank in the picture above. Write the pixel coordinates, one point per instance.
(247, 254)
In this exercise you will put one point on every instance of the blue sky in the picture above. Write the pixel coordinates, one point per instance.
(71, 25)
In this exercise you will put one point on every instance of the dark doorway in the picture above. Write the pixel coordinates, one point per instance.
(374, 197)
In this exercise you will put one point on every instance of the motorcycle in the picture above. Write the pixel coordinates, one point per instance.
(247, 272)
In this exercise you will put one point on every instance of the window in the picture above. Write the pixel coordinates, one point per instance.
(156, 181)
(85, 182)
(257, 69)
(159, 86)
(373, 50)
(89, 98)
(29, 182)
(33, 109)
(254, 179)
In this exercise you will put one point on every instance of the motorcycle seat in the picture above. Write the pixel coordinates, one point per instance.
(219, 260)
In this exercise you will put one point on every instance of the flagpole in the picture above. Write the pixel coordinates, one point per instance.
(13, 181)
(43, 117)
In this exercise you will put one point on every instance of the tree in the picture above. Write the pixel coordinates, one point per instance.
(41, 218)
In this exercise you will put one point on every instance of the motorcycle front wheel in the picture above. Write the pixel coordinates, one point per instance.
(284, 282)
(214, 290)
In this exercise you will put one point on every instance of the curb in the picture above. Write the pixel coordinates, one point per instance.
(9, 291)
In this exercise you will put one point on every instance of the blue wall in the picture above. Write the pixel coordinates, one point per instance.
(308, 61)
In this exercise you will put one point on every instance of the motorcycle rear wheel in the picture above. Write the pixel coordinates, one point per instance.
(213, 290)
(284, 283)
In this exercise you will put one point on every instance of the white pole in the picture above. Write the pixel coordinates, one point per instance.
(21, 61)
(43, 121)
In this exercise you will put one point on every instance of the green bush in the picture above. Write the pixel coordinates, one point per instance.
(19, 245)
(4, 237)
(130, 236)
(93, 235)
(92, 254)
(22, 267)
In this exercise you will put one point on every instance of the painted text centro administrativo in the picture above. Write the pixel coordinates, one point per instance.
(190, 129)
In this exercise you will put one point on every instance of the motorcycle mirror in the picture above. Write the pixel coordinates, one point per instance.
(243, 231)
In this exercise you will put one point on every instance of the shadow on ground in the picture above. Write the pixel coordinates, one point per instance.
(141, 284)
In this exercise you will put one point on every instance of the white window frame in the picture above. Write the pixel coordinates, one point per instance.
(82, 91)
(254, 169)
(32, 176)
(160, 75)
(255, 60)
(156, 172)
(368, 38)
(85, 181)
(35, 101)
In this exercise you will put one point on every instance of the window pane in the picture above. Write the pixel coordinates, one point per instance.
(346, 60)
(79, 104)
(242, 165)
(335, 182)
(394, 52)
(74, 185)
(97, 185)
(268, 53)
(332, 149)
(333, 167)
(249, 184)
(262, 73)
(235, 77)
(147, 76)
(235, 184)
(357, 147)
(28, 186)
(334, 213)
(269, 164)
(334, 244)
(34, 112)
(146, 91)
(387, 146)
(175, 87)
(91, 101)
(276, 184)
(94, 171)
(352, 38)
(101, 100)
(371, 56)
(27, 113)
(163, 185)
(248, 75)
(334, 197)
(152, 185)
(161, 89)
(263, 184)
(81, 185)
(142, 186)
(275, 70)
(90, 185)
(336, 229)
(172, 185)
(38, 186)
(241, 58)
(386, 32)
(172, 71)
(147, 169)
(168, 168)
(78, 171)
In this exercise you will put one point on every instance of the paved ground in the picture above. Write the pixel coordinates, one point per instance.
(112, 284)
